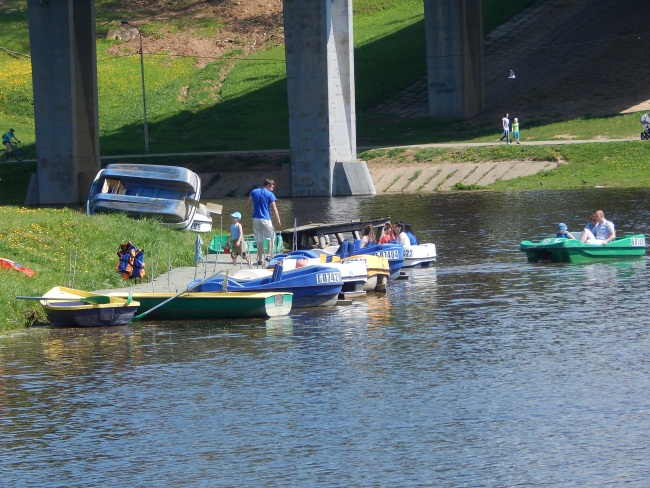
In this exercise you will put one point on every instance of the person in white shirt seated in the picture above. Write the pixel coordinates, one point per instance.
(599, 231)
(401, 236)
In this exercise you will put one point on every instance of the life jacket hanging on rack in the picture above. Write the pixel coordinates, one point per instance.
(131, 263)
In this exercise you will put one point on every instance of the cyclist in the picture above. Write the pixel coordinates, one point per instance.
(7, 140)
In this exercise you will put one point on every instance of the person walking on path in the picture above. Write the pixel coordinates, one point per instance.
(515, 130)
(505, 124)
(262, 201)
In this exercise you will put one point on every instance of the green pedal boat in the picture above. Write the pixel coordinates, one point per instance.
(562, 250)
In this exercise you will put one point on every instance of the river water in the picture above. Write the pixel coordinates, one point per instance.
(483, 370)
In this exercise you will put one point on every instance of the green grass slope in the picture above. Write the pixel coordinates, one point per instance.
(235, 102)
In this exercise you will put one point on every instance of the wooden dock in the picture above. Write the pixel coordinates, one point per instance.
(321, 235)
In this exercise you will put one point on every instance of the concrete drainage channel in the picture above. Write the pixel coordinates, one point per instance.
(426, 178)
(387, 178)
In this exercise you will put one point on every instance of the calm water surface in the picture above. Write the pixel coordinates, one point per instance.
(481, 371)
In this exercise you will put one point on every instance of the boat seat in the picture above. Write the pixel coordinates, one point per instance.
(217, 244)
(170, 211)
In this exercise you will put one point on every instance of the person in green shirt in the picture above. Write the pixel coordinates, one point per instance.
(515, 130)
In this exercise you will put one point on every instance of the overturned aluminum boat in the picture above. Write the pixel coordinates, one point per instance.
(148, 191)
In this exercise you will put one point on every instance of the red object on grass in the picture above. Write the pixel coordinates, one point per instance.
(9, 264)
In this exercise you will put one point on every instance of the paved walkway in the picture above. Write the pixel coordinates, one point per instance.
(177, 279)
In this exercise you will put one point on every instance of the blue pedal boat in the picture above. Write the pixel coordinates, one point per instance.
(312, 286)
(354, 272)
(393, 251)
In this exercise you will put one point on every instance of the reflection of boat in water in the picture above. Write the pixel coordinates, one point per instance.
(562, 250)
(67, 307)
(379, 309)
(149, 191)
(279, 326)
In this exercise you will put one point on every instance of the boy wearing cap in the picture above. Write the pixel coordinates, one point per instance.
(563, 231)
(236, 237)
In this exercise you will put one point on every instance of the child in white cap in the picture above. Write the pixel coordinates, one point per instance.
(236, 237)
(563, 231)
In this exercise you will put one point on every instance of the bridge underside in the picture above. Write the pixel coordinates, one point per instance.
(320, 86)
(454, 40)
(64, 77)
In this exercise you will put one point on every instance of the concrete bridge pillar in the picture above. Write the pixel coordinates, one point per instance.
(454, 40)
(320, 85)
(64, 74)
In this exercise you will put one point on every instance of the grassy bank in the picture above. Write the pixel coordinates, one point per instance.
(613, 165)
(68, 247)
(601, 164)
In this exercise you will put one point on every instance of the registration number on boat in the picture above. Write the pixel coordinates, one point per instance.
(638, 241)
(392, 254)
(332, 277)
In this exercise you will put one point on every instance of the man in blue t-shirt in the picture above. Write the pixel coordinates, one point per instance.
(262, 201)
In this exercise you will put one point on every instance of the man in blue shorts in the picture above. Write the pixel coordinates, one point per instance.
(262, 201)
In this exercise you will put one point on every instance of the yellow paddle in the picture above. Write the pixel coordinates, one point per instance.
(97, 300)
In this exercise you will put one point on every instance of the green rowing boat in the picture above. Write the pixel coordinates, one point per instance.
(562, 250)
(211, 305)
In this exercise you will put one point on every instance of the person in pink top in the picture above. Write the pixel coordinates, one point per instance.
(388, 234)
